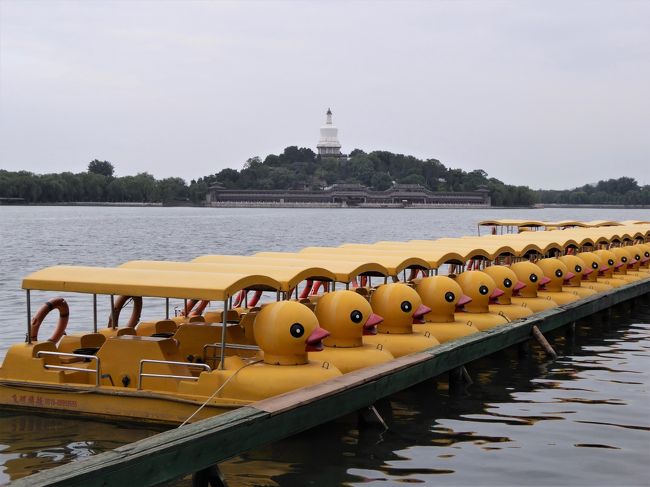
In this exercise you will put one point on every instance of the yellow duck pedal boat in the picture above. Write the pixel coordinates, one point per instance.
(481, 288)
(442, 294)
(580, 271)
(532, 276)
(557, 273)
(348, 317)
(508, 282)
(399, 305)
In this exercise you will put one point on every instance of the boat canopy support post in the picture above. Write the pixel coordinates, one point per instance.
(113, 321)
(166, 308)
(29, 317)
(94, 313)
(224, 322)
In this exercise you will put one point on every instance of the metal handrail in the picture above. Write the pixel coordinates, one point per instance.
(169, 376)
(217, 346)
(96, 370)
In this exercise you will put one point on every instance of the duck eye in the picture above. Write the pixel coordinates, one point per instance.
(483, 290)
(449, 296)
(406, 306)
(594, 265)
(624, 259)
(297, 330)
(356, 316)
(533, 278)
(637, 257)
(610, 262)
(647, 254)
(558, 273)
(578, 268)
(507, 282)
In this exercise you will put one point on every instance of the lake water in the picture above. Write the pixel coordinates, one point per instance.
(581, 420)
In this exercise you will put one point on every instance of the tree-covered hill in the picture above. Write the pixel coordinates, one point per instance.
(621, 191)
(297, 168)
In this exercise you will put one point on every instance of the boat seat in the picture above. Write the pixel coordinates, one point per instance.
(87, 344)
(217, 316)
(117, 332)
(120, 362)
(150, 328)
(70, 343)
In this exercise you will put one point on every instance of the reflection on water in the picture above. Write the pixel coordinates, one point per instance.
(33, 442)
(581, 420)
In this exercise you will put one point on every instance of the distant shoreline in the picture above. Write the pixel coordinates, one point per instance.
(323, 205)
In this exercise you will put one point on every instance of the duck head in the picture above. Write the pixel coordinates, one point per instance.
(624, 257)
(443, 295)
(531, 275)
(594, 263)
(506, 280)
(399, 305)
(481, 288)
(347, 316)
(556, 272)
(286, 331)
(636, 256)
(609, 260)
(645, 255)
(577, 266)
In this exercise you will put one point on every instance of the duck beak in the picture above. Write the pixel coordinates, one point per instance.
(544, 280)
(603, 268)
(314, 341)
(587, 271)
(570, 275)
(496, 293)
(370, 328)
(645, 259)
(619, 265)
(464, 299)
(519, 286)
(419, 313)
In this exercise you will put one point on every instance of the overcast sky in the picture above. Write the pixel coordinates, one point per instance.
(546, 94)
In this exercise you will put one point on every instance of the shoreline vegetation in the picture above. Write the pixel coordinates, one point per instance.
(301, 168)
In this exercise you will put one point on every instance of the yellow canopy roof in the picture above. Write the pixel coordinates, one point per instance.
(602, 223)
(344, 270)
(512, 223)
(522, 243)
(566, 223)
(288, 277)
(141, 282)
(471, 249)
(395, 263)
(435, 257)
(635, 222)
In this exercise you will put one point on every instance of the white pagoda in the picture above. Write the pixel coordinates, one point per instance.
(328, 144)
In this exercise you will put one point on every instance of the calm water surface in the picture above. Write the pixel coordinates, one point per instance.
(581, 420)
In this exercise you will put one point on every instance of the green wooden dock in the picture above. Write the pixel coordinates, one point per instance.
(196, 446)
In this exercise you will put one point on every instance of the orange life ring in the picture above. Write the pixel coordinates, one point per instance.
(64, 313)
(202, 304)
(119, 304)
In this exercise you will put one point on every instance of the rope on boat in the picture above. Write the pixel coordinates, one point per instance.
(217, 391)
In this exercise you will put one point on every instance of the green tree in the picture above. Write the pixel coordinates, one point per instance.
(104, 168)
(381, 181)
